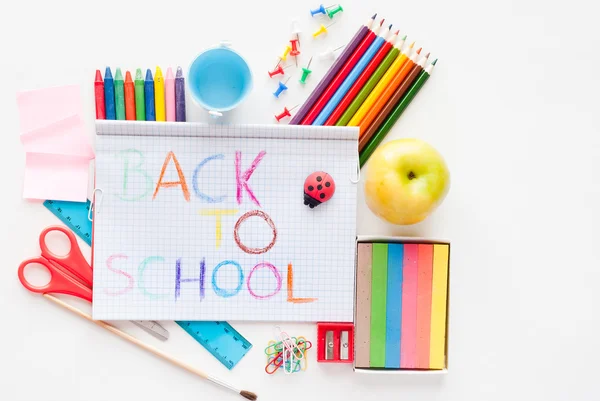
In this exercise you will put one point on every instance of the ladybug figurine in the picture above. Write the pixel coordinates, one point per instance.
(318, 188)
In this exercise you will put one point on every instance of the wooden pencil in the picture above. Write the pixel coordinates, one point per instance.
(391, 103)
(335, 68)
(398, 110)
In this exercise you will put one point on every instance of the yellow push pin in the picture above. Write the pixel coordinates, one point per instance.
(322, 29)
(287, 50)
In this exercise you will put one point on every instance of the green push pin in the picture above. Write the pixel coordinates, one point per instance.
(334, 11)
(305, 72)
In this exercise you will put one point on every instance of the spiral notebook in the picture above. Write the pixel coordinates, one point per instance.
(208, 222)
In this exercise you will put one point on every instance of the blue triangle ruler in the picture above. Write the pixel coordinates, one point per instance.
(219, 338)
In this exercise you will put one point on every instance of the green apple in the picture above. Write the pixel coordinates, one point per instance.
(406, 180)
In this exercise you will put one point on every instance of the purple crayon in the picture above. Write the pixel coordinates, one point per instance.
(179, 95)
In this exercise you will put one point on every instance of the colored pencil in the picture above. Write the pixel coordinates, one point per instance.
(170, 95)
(380, 87)
(149, 96)
(370, 85)
(99, 96)
(391, 103)
(129, 97)
(398, 110)
(140, 106)
(439, 302)
(408, 343)
(424, 277)
(393, 316)
(353, 76)
(341, 76)
(387, 93)
(353, 91)
(332, 72)
(109, 95)
(362, 334)
(119, 95)
(378, 304)
(159, 95)
(179, 96)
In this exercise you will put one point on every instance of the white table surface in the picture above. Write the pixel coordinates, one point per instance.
(515, 119)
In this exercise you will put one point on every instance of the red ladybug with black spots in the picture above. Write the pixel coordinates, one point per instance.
(318, 188)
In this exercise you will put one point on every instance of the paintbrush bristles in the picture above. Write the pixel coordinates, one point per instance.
(248, 394)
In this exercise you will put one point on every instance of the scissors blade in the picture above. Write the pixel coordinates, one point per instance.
(153, 328)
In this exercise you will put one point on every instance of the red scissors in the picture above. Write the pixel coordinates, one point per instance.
(71, 274)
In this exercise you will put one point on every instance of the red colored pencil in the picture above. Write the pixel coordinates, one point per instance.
(362, 79)
(341, 76)
(99, 96)
(129, 97)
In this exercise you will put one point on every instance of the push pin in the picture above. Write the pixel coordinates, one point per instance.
(294, 52)
(287, 50)
(330, 53)
(285, 113)
(322, 29)
(320, 10)
(278, 70)
(296, 30)
(334, 11)
(281, 88)
(319, 187)
(305, 72)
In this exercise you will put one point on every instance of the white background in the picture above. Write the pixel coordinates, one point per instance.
(512, 106)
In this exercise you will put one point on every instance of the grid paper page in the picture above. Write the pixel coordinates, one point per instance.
(206, 222)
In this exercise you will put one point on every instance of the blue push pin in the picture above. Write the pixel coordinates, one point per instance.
(320, 10)
(281, 88)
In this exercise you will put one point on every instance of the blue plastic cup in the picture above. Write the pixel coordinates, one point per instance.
(219, 79)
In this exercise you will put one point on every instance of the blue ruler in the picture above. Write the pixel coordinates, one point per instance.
(74, 215)
(219, 338)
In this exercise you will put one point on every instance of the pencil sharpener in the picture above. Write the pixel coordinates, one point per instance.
(335, 342)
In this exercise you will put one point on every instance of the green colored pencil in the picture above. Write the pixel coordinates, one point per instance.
(366, 90)
(395, 114)
(119, 95)
(140, 101)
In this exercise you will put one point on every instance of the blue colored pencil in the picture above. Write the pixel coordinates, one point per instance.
(149, 96)
(351, 78)
(393, 314)
(109, 95)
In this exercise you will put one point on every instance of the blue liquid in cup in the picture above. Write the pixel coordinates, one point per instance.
(219, 79)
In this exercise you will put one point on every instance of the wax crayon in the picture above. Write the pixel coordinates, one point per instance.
(159, 95)
(129, 97)
(170, 95)
(119, 95)
(149, 96)
(140, 107)
(179, 95)
(99, 96)
(109, 95)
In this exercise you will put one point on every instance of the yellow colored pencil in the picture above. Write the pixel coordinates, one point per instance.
(381, 85)
(159, 95)
(439, 292)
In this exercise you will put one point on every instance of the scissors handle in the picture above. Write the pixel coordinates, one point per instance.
(73, 261)
(60, 281)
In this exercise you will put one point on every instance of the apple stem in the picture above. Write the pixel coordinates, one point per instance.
(411, 175)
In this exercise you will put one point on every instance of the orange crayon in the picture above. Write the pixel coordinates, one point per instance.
(129, 97)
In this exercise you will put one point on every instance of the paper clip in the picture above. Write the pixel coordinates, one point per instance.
(273, 364)
(274, 348)
(95, 204)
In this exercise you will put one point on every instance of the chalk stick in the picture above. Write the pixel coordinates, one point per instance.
(424, 277)
(393, 318)
(439, 293)
(362, 329)
(378, 307)
(408, 344)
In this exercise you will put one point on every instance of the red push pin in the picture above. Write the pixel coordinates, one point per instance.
(285, 113)
(278, 70)
(294, 52)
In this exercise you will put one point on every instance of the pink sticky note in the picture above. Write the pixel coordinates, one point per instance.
(56, 177)
(408, 342)
(66, 136)
(43, 107)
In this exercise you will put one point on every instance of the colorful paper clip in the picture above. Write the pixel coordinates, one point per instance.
(289, 353)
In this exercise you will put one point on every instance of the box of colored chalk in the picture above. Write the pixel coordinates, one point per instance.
(401, 322)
